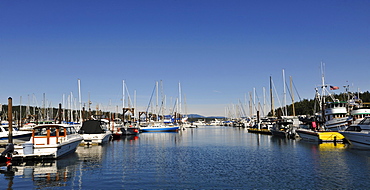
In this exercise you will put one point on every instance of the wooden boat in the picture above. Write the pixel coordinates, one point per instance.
(49, 141)
(94, 132)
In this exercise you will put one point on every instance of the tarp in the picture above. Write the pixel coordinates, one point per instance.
(91, 127)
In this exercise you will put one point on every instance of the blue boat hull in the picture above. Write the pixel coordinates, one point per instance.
(159, 129)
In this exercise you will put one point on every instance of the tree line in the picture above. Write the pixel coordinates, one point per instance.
(310, 106)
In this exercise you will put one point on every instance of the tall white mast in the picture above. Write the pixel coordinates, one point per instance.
(20, 111)
(135, 115)
(264, 101)
(156, 104)
(123, 94)
(180, 109)
(80, 99)
(284, 103)
(71, 108)
(63, 102)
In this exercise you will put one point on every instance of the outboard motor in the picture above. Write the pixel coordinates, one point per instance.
(6, 155)
(8, 150)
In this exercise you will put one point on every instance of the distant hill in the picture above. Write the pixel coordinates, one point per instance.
(201, 116)
(195, 116)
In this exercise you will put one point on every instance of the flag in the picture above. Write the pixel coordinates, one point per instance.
(334, 87)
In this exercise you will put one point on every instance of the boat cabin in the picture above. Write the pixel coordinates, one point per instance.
(51, 134)
(364, 125)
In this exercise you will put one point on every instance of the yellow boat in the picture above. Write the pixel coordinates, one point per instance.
(320, 136)
(261, 131)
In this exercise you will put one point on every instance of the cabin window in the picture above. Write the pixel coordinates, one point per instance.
(354, 128)
(366, 121)
(61, 131)
(40, 132)
(53, 132)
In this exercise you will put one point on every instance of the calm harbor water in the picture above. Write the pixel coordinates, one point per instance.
(209, 157)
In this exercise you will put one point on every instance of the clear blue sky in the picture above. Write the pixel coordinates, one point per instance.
(220, 50)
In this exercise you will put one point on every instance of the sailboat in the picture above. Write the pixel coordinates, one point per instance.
(156, 121)
(129, 127)
(265, 124)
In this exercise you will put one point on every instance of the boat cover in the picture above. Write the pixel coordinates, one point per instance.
(91, 127)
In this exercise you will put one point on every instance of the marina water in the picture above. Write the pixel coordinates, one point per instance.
(208, 157)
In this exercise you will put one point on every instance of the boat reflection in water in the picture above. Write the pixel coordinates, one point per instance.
(91, 153)
(43, 174)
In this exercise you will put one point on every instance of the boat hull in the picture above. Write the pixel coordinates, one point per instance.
(130, 131)
(54, 151)
(261, 131)
(97, 139)
(16, 138)
(159, 129)
(360, 140)
(58, 151)
(277, 133)
(319, 136)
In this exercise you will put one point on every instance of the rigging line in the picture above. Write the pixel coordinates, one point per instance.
(277, 96)
(174, 106)
(162, 105)
(151, 97)
(128, 96)
(290, 94)
(242, 108)
(296, 91)
(259, 105)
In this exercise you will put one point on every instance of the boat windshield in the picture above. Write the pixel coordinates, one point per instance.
(365, 121)
(7, 129)
(71, 130)
(40, 132)
(43, 131)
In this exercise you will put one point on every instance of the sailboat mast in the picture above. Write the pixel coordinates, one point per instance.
(284, 104)
(291, 89)
(157, 96)
(63, 102)
(135, 104)
(272, 98)
(180, 109)
(20, 112)
(123, 94)
(264, 101)
(323, 93)
(80, 99)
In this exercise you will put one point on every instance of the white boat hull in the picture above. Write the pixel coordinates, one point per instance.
(359, 140)
(57, 150)
(96, 138)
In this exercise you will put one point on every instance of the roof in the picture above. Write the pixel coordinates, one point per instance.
(91, 127)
